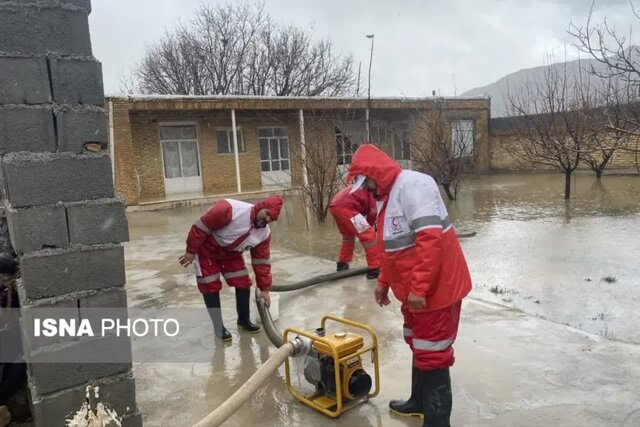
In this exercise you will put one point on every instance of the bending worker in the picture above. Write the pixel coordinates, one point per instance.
(424, 265)
(355, 215)
(215, 245)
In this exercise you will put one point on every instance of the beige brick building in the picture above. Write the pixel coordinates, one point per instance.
(180, 148)
(505, 156)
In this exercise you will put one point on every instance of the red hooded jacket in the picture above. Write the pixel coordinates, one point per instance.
(420, 250)
(228, 226)
(360, 201)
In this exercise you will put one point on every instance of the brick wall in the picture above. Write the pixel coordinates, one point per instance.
(125, 167)
(145, 137)
(505, 155)
(64, 221)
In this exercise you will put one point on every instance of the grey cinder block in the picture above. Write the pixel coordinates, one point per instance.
(77, 127)
(24, 80)
(26, 129)
(38, 179)
(35, 30)
(76, 81)
(87, 359)
(37, 228)
(54, 273)
(97, 222)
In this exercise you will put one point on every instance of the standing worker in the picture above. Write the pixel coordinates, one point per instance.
(215, 245)
(355, 215)
(423, 263)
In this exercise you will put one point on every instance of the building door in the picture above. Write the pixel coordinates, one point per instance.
(274, 157)
(181, 159)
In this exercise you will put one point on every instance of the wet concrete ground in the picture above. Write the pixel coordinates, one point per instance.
(525, 368)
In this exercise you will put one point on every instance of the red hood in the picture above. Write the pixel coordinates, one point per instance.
(373, 163)
(272, 203)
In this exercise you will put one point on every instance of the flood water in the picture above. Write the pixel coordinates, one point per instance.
(533, 252)
(536, 251)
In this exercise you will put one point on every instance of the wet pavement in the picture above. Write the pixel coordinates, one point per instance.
(544, 340)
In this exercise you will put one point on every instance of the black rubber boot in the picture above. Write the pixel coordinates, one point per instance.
(413, 406)
(242, 306)
(437, 400)
(212, 301)
(373, 273)
(342, 266)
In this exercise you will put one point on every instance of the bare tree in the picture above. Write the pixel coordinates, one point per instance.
(441, 149)
(237, 49)
(620, 66)
(611, 125)
(551, 117)
(321, 162)
(610, 48)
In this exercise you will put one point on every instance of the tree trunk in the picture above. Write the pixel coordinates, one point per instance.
(599, 173)
(567, 185)
(447, 189)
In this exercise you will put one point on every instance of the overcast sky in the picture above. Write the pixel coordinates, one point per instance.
(420, 45)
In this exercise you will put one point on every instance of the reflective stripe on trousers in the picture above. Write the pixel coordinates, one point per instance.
(208, 279)
(235, 274)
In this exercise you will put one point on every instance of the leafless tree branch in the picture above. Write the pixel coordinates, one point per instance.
(236, 48)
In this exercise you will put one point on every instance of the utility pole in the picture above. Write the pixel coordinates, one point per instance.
(358, 86)
(369, 36)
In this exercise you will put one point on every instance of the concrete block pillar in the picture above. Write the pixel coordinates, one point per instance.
(59, 206)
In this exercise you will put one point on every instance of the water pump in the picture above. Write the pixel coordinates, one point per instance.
(334, 367)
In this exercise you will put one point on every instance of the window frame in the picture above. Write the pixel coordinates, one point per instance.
(455, 148)
(242, 147)
(404, 142)
(278, 141)
(342, 154)
(196, 127)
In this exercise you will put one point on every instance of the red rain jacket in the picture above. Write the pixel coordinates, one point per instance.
(360, 201)
(420, 250)
(228, 226)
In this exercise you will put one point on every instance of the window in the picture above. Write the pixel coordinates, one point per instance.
(224, 138)
(179, 151)
(462, 138)
(344, 148)
(401, 142)
(274, 149)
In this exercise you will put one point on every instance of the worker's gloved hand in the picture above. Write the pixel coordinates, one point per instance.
(382, 296)
(187, 259)
(265, 296)
(415, 302)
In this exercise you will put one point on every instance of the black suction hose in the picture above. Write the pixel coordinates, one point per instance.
(274, 335)
(319, 279)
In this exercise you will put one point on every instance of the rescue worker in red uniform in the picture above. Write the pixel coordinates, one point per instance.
(423, 263)
(355, 215)
(215, 245)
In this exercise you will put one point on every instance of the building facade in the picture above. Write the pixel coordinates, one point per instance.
(179, 148)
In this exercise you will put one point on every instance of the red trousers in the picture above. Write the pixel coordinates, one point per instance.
(431, 334)
(345, 221)
(210, 270)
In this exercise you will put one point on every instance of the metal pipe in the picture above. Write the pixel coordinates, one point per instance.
(303, 149)
(235, 149)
